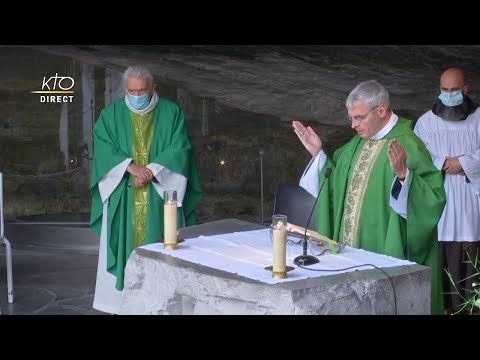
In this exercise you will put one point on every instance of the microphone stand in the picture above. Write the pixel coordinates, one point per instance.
(260, 153)
(304, 259)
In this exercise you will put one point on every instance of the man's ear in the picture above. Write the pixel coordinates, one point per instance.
(466, 89)
(383, 110)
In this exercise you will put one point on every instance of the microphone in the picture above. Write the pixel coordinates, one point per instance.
(306, 260)
(260, 153)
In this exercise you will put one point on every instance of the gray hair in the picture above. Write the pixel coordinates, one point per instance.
(138, 71)
(370, 93)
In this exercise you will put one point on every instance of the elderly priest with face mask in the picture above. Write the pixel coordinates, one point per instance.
(141, 149)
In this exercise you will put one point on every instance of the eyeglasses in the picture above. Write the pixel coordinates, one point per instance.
(361, 117)
(139, 92)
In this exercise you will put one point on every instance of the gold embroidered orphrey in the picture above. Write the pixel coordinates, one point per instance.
(142, 129)
(357, 188)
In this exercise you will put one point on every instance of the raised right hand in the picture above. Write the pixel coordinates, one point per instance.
(308, 137)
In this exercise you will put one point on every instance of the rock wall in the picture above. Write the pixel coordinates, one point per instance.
(238, 100)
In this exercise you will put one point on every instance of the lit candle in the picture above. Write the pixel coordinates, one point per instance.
(279, 247)
(170, 220)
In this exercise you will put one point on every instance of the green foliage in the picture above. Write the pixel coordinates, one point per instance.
(471, 302)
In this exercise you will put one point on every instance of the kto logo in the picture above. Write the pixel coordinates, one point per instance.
(59, 85)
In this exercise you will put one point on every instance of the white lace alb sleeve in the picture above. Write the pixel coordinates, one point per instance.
(168, 180)
(471, 167)
(310, 177)
(109, 182)
(399, 205)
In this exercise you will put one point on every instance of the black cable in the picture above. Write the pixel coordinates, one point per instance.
(358, 266)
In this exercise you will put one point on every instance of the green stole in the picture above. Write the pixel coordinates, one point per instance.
(356, 190)
(142, 130)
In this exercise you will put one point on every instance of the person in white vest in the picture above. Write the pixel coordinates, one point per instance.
(451, 132)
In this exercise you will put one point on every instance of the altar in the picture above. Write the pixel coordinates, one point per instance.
(220, 268)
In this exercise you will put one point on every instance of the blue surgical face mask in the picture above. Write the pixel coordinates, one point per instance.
(139, 102)
(451, 99)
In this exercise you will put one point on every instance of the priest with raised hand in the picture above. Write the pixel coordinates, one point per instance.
(384, 194)
(141, 149)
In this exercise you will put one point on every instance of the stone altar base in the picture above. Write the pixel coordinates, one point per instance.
(161, 284)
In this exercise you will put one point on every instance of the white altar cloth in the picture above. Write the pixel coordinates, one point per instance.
(248, 253)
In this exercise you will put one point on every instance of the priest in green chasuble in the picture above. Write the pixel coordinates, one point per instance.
(384, 194)
(141, 149)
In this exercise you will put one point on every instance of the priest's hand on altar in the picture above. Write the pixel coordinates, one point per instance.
(308, 137)
(398, 159)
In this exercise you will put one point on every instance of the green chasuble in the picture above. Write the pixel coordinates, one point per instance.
(357, 209)
(135, 216)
